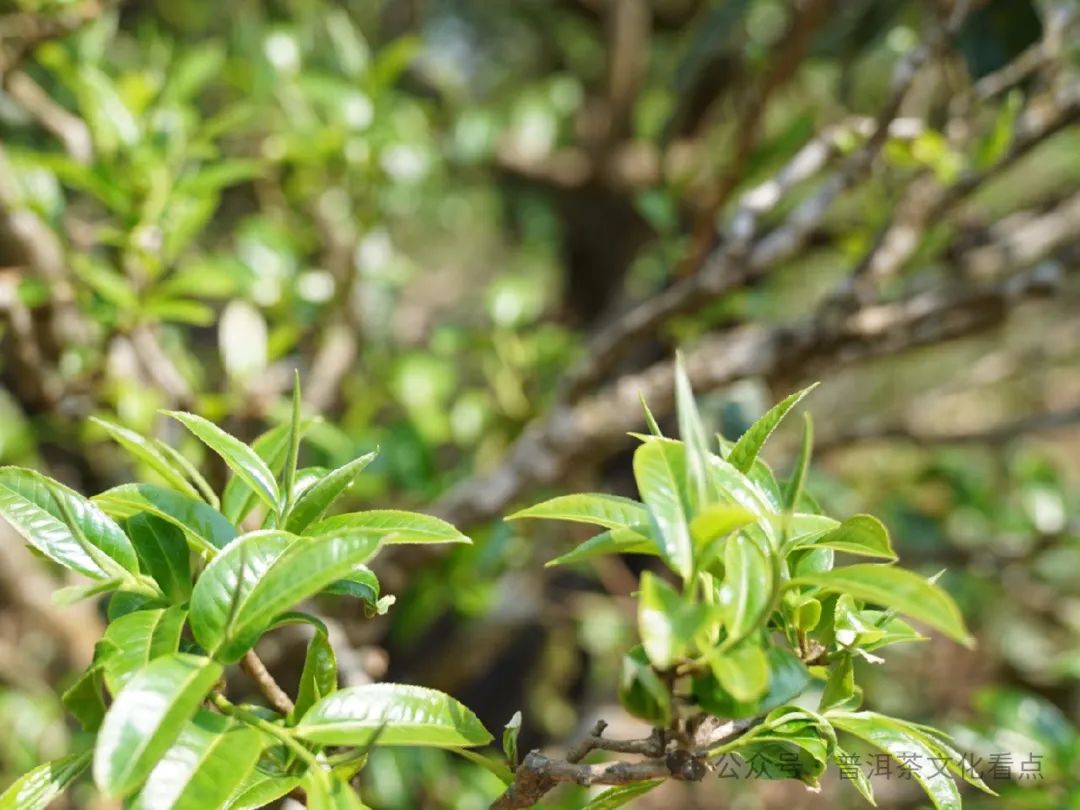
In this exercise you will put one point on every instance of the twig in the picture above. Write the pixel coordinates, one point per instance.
(254, 668)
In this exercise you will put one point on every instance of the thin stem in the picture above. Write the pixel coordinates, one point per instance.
(255, 669)
(275, 731)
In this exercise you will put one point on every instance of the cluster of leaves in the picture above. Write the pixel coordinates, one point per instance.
(763, 619)
(192, 592)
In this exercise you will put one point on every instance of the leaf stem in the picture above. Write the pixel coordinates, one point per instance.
(279, 733)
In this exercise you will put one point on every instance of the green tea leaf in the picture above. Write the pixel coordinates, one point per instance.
(147, 717)
(598, 509)
(164, 554)
(746, 591)
(361, 583)
(149, 454)
(742, 671)
(613, 541)
(788, 677)
(910, 750)
(621, 795)
(510, 739)
(861, 534)
(392, 525)
(668, 624)
(272, 447)
(205, 528)
(897, 589)
(660, 471)
(692, 433)
(641, 691)
(84, 699)
(262, 574)
(749, 444)
(39, 509)
(840, 687)
(134, 640)
(794, 489)
(200, 771)
(240, 458)
(260, 789)
(319, 677)
(313, 504)
(407, 715)
(38, 788)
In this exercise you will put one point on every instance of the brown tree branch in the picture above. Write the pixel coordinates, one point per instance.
(254, 668)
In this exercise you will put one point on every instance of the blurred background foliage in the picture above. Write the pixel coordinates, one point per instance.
(433, 207)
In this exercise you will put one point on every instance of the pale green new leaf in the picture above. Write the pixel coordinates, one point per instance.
(394, 526)
(272, 447)
(861, 534)
(613, 541)
(897, 589)
(319, 676)
(148, 453)
(660, 472)
(262, 574)
(794, 489)
(204, 767)
(407, 715)
(622, 795)
(135, 639)
(749, 444)
(598, 509)
(205, 528)
(668, 624)
(742, 671)
(38, 788)
(746, 591)
(313, 504)
(240, 458)
(692, 433)
(147, 717)
(260, 789)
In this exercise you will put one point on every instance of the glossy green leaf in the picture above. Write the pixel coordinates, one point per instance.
(240, 458)
(200, 771)
(746, 591)
(392, 525)
(908, 749)
(692, 433)
(181, 462)
(598, 509)
(710, 526)
(57, 520)
(742, 671)
(313, 504)
(164, 554)
(862, 534)
(205, 528)
(408, 715)
(261, 575)
(622, 795)
(613, 541)
(319, 676)
(897, 589)
(260, 789)
(650, 420)
(641, 691)
(292, 455)
(326, 792)
(38, 788)
(361, 583)
(84, 700)
(668, 623)
(788, 677)
(660, 472)
(134, 640)
(794, 489)
(146, 451)
(748, 446)
(840, 687)
(272, 447)
(731, 486)
(147, 717)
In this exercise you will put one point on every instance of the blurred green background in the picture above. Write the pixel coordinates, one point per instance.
(431, 208)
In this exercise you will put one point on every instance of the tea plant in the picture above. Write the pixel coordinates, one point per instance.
(192, 592)
(749, 641)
